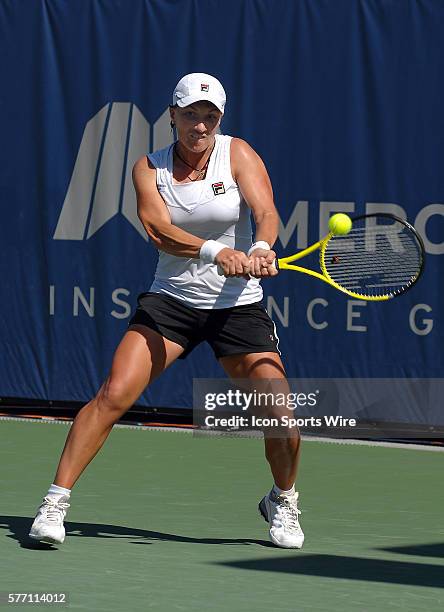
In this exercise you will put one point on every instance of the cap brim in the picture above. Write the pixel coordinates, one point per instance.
(187, 100)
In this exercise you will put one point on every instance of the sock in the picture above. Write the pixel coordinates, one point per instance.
(55, 491)
(278, 491)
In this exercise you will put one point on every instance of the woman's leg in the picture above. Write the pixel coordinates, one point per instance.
(280, 507)
(282, 453)
(141, 356)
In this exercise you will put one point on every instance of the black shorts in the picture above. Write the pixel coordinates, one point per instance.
(229, 331)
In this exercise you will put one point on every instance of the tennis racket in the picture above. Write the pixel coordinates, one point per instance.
(380, 258)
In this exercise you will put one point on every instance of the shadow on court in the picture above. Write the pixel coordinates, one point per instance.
(418, 550)
(19, 527)
(349, 568)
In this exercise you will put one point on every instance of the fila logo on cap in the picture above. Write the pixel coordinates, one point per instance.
(218, 188)
(204, 87)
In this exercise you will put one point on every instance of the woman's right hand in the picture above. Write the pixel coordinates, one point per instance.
(233, 263)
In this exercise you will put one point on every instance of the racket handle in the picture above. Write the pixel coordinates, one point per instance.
(274, 264)
(221, 272)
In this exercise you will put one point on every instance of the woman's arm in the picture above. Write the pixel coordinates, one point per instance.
(153, 213)
(254, 183)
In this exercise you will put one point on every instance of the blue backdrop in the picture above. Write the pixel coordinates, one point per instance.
(341, 98)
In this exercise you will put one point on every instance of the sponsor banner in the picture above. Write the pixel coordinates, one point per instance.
(359, 135)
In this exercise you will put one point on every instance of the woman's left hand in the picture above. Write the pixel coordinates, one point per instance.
(262, 263)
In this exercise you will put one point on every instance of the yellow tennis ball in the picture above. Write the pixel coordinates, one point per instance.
(340, 224)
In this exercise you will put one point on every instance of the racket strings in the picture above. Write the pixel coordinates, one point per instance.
(370, 237)
(374, 261)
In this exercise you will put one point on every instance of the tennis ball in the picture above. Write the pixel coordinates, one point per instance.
(340, 224)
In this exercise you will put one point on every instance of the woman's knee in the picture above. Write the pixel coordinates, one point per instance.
(115, 397)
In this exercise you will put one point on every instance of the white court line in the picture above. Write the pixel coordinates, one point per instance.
(305, 438)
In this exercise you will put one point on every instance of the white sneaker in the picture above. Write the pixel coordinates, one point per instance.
(282, 514)
(48, 523)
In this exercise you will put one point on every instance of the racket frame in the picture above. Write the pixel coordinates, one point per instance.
(285, 263)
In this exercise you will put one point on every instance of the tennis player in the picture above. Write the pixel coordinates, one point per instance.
(195, 200)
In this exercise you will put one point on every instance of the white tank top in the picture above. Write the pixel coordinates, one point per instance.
(210, 209)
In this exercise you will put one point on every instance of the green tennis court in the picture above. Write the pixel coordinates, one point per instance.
(168, 521)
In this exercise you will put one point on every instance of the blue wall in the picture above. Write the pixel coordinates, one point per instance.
(341, 98)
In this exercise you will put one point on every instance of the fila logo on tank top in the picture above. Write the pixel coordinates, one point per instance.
(212, 209)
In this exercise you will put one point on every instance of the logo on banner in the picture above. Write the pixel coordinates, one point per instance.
(218, 188)
(101, 184)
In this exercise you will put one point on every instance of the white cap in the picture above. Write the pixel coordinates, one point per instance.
(199, 86)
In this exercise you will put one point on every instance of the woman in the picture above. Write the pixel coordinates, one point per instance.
(194, 199)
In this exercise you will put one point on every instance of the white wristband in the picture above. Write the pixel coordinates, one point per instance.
(260, 244)
(210, 249)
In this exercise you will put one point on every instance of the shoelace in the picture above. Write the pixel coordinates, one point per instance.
(54, 509)
(288, 513)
